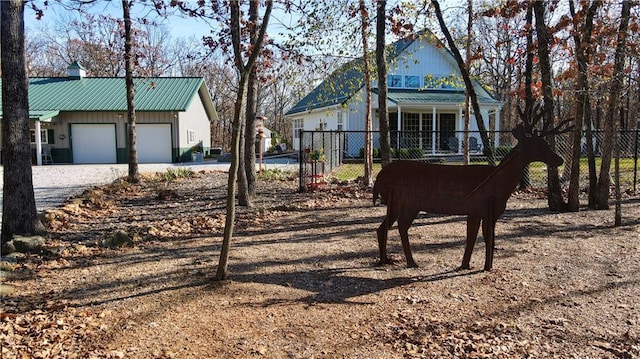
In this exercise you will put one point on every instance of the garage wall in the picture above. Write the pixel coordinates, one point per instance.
(195, 119)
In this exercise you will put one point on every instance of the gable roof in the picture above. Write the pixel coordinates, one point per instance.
(50, 94)
(349, 79)
(343, 83)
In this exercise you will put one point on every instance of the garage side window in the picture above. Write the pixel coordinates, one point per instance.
(44, 138)
(191, 136)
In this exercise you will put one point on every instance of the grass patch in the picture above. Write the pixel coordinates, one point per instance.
(172, 174)
(276, 174)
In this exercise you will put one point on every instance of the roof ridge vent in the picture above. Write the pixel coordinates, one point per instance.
(76, 71)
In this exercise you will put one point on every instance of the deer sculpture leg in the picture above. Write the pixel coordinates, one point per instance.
(473, 225)
(404, 222)
(489, 234)
(383, 230)
(382, 241)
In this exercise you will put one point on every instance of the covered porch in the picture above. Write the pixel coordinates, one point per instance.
(434, 121)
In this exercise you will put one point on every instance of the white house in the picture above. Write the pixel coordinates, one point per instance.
(426, 99)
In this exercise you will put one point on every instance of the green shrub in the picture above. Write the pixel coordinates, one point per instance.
(376, 153)
(408, 153)
(172, 174)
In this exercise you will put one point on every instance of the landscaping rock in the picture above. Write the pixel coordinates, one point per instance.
(13, 257)
(32, 244)
(8, 248)
(118, 239)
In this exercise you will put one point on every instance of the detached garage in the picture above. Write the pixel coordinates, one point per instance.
(84, 119)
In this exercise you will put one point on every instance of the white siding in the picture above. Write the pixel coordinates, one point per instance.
(194, 118)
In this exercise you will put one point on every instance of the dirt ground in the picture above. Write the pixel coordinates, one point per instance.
(304, 283)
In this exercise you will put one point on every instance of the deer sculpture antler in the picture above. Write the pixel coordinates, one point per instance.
(529, 122)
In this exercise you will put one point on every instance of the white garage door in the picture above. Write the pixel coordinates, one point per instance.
(154, 143)
(93, 143)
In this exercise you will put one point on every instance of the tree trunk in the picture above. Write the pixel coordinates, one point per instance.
(368, 149)
(486, 143)
(250, 118)
(244, 70)
(602, 197)
(134, 175)
(381, 66)
(467, 99)
(529, 101)
(582, 58)
(221, 273)
(591, 157)
(19, 214)
(554, 195)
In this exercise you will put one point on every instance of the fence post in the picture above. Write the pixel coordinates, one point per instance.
(635, 162)
(300, 162)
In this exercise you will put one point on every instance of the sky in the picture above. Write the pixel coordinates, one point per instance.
(180, 26)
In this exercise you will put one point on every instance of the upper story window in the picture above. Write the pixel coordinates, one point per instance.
(412, 82)
(452, 82)
(394, 81)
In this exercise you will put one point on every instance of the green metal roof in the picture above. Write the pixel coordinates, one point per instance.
(109, 94)
(431, 96)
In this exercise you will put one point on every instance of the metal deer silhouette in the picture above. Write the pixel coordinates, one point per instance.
(478, 191)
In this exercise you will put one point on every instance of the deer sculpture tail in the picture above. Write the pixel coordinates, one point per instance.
(379, 190)
(376, 192)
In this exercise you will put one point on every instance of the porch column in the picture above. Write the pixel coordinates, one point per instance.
(399, 119)
(38, 144)
(465, 134)
(433, 132)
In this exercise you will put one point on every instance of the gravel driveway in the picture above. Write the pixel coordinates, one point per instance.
(53, 184)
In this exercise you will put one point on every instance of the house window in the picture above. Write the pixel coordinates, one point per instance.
(340, 121)
(44, 138)
(451, 82)
(412, 82)
(296, 126)
(394, 81)
(191, 136)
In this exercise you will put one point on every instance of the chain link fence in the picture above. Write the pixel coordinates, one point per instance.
(337, 156)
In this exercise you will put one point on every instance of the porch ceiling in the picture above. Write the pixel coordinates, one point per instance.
(43, 116)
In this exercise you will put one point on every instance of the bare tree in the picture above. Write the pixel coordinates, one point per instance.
(247, 175)
(582, 39)
(134, 175)
(486, 145)
(381, 66)
(244, 67)
(368, 148)
(554, 195)
(602, 198)
(19, 214)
